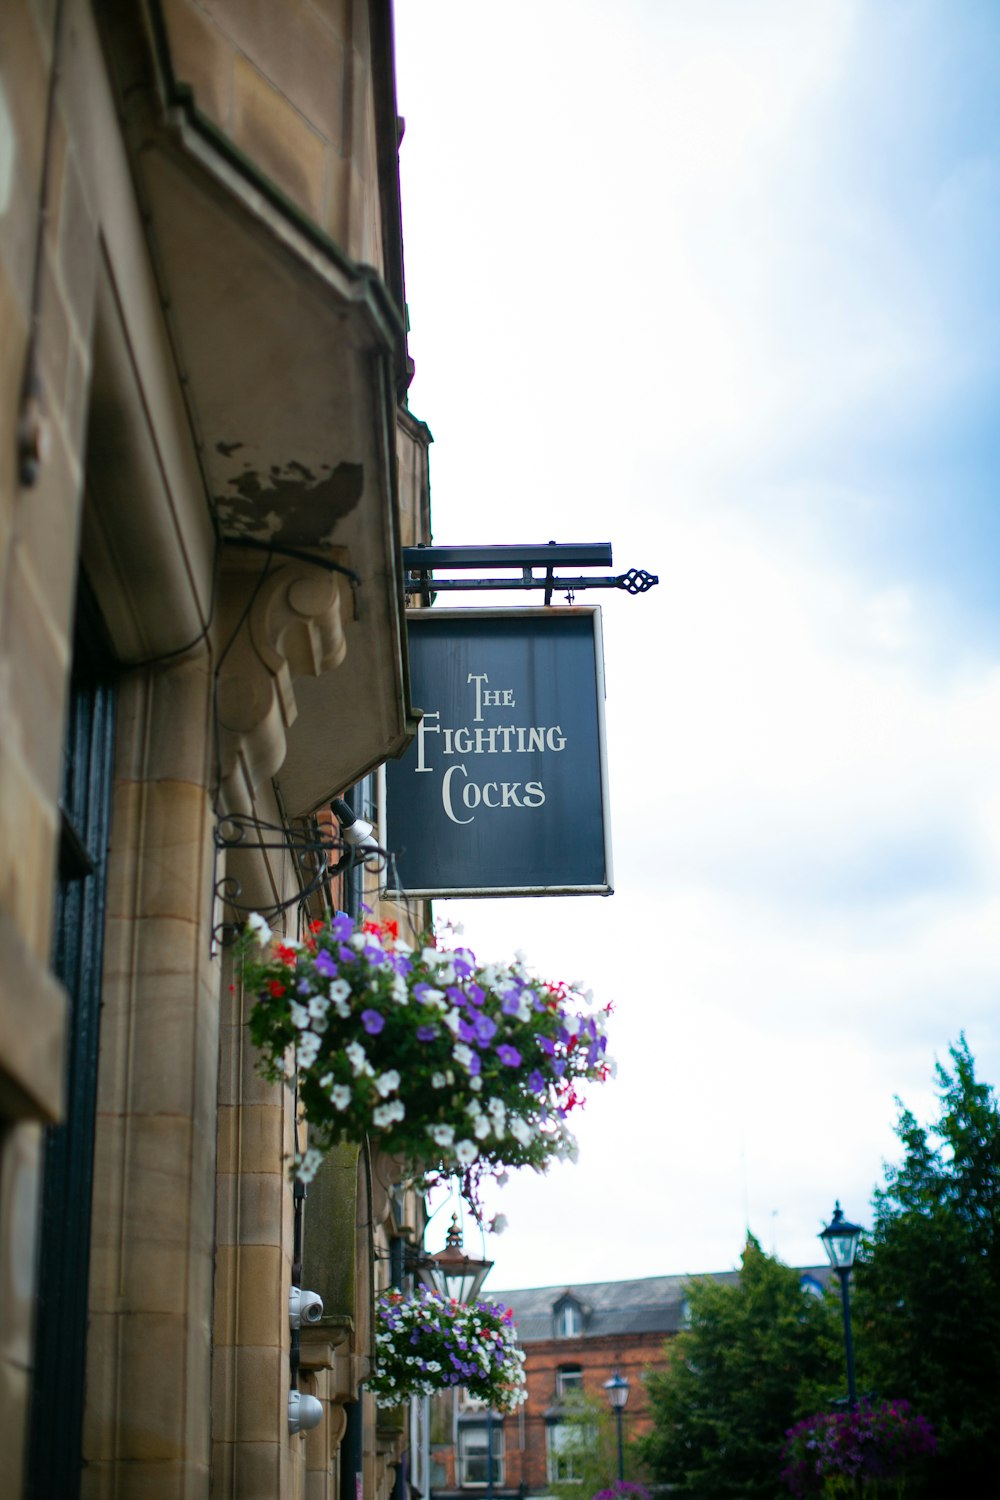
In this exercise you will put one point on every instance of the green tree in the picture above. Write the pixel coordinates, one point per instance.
(758, 1354)
(927, 1304)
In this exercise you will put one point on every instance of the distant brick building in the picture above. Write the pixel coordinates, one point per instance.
(575, 1338)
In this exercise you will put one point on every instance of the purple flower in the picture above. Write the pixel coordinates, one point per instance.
(426, 1033)
(536, 1082)
(511, 1003)
(559, 1066)
(463, 968)
(485, 1029)
(341, 926)
(400, 963)
(374, 954)
(372, 1021)
(475, 995)
(303, 987)
(547, 1045)
(475, 1065)
(325, 964)
(345, 954)
(466, 1032)
(509, 1056)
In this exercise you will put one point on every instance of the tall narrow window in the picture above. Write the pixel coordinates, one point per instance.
(473, 1453)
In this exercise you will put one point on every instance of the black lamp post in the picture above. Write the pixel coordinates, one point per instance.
(455, 1274)
(840, 1241)
(618, 1388)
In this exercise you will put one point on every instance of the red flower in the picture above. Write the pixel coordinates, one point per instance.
(316, 925)
(287, 955)
(276, 988)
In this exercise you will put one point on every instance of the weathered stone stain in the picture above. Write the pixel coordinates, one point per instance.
(289, 502)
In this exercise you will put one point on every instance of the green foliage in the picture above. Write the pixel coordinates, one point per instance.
(758, 1354)
(927, 1305)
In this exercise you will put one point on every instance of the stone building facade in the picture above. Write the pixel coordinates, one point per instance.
(207, 470)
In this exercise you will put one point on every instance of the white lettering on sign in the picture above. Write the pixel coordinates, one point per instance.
(498, 794)
(478, 738)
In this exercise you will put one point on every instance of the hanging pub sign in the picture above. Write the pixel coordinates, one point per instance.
(504, 790)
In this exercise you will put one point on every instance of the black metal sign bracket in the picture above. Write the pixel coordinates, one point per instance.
(421, 564)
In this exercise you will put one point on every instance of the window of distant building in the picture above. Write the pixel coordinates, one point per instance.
(569, 1381)
(567, 1446)
(473, 1454)
(569, 1319)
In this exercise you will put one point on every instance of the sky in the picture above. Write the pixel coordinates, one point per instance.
(715, 280)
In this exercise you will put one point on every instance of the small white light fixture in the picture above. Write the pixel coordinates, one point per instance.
(304, 1412)
(355, 831)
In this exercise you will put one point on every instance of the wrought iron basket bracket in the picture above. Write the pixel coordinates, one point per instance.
(318, 856)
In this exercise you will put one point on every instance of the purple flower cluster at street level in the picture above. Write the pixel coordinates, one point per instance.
(426, 1343)
(872, 1444)
(623, 1487)
(457, 1066)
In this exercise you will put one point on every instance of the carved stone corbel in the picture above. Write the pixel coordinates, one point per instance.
(325, 1354)
(287, 624)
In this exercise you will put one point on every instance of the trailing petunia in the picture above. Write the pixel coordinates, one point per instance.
(426, 1343)
(874, 1445)
(457, 1066)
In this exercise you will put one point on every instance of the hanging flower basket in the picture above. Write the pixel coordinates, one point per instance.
(864, 1451)
(425, 1344)
(456, 1066)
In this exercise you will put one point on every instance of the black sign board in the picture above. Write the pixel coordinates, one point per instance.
(504, 791)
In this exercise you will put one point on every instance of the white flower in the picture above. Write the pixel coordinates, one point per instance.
(481, 1128)
(572, 1023)
(520, 1129)
(466, 1152)
(339, 990)
(358, 1060)
(386, 1083)
(398, 989)
(498, 1224)
(308, 1049)
(475, 1084)
(474, 1108)
(462, 1054)
(446, 973)
(438, 1080)
(498, 1110)
(453, 1020)
(442, 1135)
(340, 1096)
(259, 928)
(357, 941)
(306, 1168)
(384, 1114)
(300, 1016)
